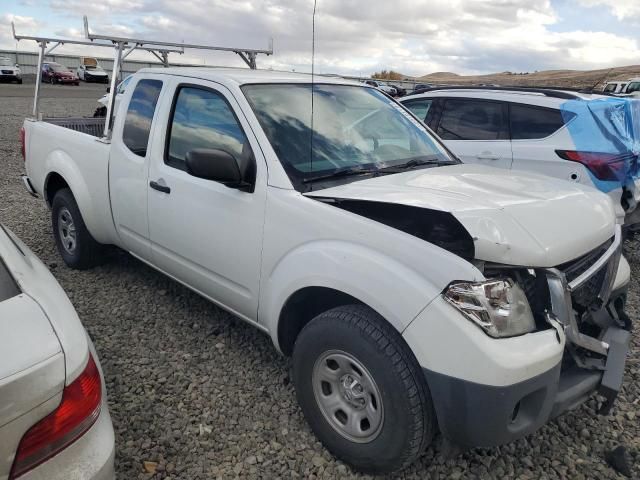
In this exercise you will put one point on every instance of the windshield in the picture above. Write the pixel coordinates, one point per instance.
(58, 68)
(353, 127)
(4, 61)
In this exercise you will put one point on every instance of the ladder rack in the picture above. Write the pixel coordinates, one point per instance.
(123, 48)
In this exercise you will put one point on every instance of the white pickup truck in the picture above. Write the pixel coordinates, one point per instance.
(415, 294)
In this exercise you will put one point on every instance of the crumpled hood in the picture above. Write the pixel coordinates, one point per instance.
(513, 218)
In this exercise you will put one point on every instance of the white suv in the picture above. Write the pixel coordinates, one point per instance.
(562, 134)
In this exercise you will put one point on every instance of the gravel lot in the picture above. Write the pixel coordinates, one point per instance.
(206, 396)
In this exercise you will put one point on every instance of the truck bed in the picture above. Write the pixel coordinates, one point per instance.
(93, 126)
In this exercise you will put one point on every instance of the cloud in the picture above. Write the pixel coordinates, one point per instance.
(621, 9)
(352, 36)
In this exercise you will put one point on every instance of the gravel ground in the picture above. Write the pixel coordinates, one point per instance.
(204, 395)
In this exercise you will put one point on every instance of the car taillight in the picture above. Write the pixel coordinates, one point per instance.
(604, 166)
(23, 147)
(77, 412)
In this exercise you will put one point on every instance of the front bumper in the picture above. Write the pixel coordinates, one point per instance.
(476, 415)
(4, 77)
(487, 392)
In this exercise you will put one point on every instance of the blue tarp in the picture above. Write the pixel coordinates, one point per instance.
(610, 126)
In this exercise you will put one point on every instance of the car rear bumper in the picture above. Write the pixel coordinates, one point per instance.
(91, 78)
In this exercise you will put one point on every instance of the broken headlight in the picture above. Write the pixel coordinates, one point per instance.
(499, 307)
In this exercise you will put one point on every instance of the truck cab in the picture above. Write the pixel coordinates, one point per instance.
(407, 287)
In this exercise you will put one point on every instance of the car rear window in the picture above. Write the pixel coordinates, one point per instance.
(464, 119)
(137, 124)
(529, 122)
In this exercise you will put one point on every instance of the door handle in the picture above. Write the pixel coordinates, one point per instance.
(487, 156)
(161, 188)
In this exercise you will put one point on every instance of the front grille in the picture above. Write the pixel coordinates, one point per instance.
(585, 295)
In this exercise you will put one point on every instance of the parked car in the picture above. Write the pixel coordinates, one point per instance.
(103, 101)
(421, 86)
(55, 73)
(390, 272)
(9, 72)
(613, 87)
(91, 71)
(545, 131)
(54, 418)
(632, 89)
(381, 86)
(400, 91)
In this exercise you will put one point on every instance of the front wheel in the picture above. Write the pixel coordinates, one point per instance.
(77, 247)
(362, 390)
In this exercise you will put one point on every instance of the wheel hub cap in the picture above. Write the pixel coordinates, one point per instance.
(348, 396)
(67, 230)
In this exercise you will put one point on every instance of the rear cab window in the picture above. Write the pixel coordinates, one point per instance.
(140, 112)
(472, 119)
(531, 122)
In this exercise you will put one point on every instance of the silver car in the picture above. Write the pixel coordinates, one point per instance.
(54, 419)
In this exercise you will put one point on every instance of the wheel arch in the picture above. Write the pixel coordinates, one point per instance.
(302, 307)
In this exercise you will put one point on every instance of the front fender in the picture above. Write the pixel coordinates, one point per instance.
(393, 289)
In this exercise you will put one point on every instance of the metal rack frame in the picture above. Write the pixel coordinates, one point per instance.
(123, 48)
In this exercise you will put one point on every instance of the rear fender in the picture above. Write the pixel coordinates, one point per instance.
(93, 212)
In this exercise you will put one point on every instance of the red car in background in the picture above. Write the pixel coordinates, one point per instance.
(55, 73)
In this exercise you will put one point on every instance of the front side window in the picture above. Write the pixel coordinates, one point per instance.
(528, 122)
(203, 119)
(137, 124)
(420, 108)
(352, 128)
(464, 119)
(610, 88)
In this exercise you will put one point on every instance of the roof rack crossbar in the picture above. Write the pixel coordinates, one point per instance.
(248, 55)
(548, 92)
(159, 51)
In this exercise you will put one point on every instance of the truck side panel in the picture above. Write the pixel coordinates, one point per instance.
(83, 163)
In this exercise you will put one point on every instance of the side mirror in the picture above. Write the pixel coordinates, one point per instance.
(108, 89)
(17, 65)
(216, 165)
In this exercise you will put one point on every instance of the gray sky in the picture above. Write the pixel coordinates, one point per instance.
(359, 37)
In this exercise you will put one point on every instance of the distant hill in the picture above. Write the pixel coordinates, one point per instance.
(555, 78)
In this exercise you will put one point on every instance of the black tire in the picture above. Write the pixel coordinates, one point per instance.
(86, 252)
(408, 419)
(20, 82)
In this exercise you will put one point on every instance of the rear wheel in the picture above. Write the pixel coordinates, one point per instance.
(77, 247)
(361, 390)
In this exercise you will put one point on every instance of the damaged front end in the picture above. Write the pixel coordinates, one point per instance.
(580, 299)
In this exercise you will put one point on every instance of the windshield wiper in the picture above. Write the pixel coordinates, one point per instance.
(416, 162)
(343, 173)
